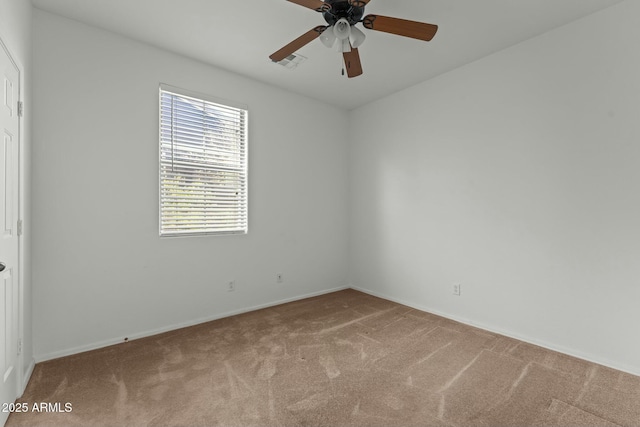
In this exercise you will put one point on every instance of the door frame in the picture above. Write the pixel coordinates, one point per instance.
(21, 377)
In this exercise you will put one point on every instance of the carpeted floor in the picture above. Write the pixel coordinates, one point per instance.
(343, 359)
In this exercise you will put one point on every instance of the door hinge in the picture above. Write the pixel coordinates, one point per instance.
(20, 108)
(19, 347)
(19, 227)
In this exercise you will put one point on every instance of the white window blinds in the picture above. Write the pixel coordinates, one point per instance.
(203, 165)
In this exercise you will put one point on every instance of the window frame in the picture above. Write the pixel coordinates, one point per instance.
(198, 96)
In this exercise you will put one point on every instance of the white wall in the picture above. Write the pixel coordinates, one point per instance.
(15, 30)
(101, 273)
(517, 175)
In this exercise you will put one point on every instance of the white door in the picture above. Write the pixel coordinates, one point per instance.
(9, 161)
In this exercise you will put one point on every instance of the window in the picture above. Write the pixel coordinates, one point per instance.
(203, 165)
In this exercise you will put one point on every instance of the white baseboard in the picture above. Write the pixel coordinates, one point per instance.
(106, 343)
(510, 334)
(27, 377)
(493, 329)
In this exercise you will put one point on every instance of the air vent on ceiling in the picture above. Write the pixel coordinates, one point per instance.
(292, 61)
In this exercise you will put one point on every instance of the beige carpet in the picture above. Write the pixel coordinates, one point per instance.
(343, 359)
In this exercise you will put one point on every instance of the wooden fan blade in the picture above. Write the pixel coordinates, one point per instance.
(301, 41)
(401, 27)
(352, 63)
(359, 3)
(317, 5)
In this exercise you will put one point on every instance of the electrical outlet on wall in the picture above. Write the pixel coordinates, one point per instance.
(456, 289)
(231, 286)
(279, 278)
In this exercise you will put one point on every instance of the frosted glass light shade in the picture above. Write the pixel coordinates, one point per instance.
(357, 37)
(342, 29)
(346, 46)
(328, 38)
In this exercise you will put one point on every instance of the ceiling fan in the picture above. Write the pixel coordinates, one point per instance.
(342, 16)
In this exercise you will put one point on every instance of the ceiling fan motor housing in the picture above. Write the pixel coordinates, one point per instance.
(342, 9)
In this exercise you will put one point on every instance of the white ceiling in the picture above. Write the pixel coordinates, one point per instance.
(239, 36)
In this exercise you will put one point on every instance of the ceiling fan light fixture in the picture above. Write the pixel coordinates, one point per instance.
(357, 37)
(342, 17)
(328, 38)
